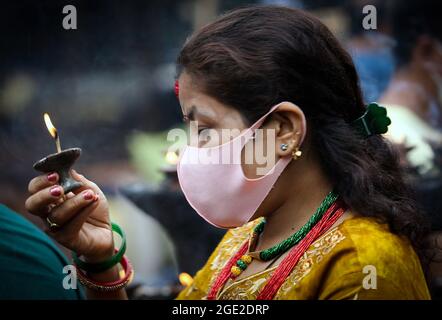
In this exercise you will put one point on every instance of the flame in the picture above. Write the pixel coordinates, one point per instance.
(171, 157)
(52, 130)
(185, 279)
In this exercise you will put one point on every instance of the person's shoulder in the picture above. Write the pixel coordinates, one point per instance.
(15, 226)
(382, 260)
(8, 216)
(362, 259)
(373, 241)
(31, 265)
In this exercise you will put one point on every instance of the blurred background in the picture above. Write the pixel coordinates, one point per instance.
(108, 87)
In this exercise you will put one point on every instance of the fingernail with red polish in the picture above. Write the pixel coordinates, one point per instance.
(52, 177)
(55, 191)
(88, 195)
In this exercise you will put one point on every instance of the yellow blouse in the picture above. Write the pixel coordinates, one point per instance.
(358, 259)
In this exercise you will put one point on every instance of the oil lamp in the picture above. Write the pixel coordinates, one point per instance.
(61, 161)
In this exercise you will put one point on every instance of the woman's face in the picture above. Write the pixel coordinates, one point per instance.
(209, 119)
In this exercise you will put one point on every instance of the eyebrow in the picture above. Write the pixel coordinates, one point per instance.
(191, 115)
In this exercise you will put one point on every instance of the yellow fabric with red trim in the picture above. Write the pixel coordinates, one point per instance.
(358, 259)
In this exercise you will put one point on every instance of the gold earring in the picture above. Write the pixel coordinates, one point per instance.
(296, 153)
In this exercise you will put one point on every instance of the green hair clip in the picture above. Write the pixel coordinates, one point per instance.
(373, 121)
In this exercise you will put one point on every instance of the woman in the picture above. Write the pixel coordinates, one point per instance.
(331, 219)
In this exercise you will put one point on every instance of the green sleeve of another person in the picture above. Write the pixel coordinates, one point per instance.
(31, 265)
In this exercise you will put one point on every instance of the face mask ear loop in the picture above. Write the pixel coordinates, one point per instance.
(260, 121)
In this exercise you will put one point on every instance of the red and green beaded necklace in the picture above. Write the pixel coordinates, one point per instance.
(329, 211)
(283, 246)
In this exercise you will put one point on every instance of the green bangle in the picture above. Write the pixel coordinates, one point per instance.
(105, 265)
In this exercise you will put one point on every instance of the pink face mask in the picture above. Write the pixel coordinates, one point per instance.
(220, 192)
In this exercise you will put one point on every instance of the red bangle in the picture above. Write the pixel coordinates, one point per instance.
(108, 286)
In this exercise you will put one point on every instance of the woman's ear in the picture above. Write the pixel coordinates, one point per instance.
(290, 128)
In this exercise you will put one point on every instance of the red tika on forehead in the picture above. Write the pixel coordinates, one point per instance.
(177, 88)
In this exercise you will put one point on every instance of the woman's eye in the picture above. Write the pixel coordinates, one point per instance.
(204, 134)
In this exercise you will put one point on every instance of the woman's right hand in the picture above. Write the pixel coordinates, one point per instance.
(82, 216)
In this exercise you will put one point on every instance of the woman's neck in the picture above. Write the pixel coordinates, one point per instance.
(302, 194)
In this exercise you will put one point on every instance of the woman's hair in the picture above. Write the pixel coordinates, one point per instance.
(253, 58)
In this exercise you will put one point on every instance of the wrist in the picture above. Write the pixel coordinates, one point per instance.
(101, 255)
(109, 280)
(104, 258)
